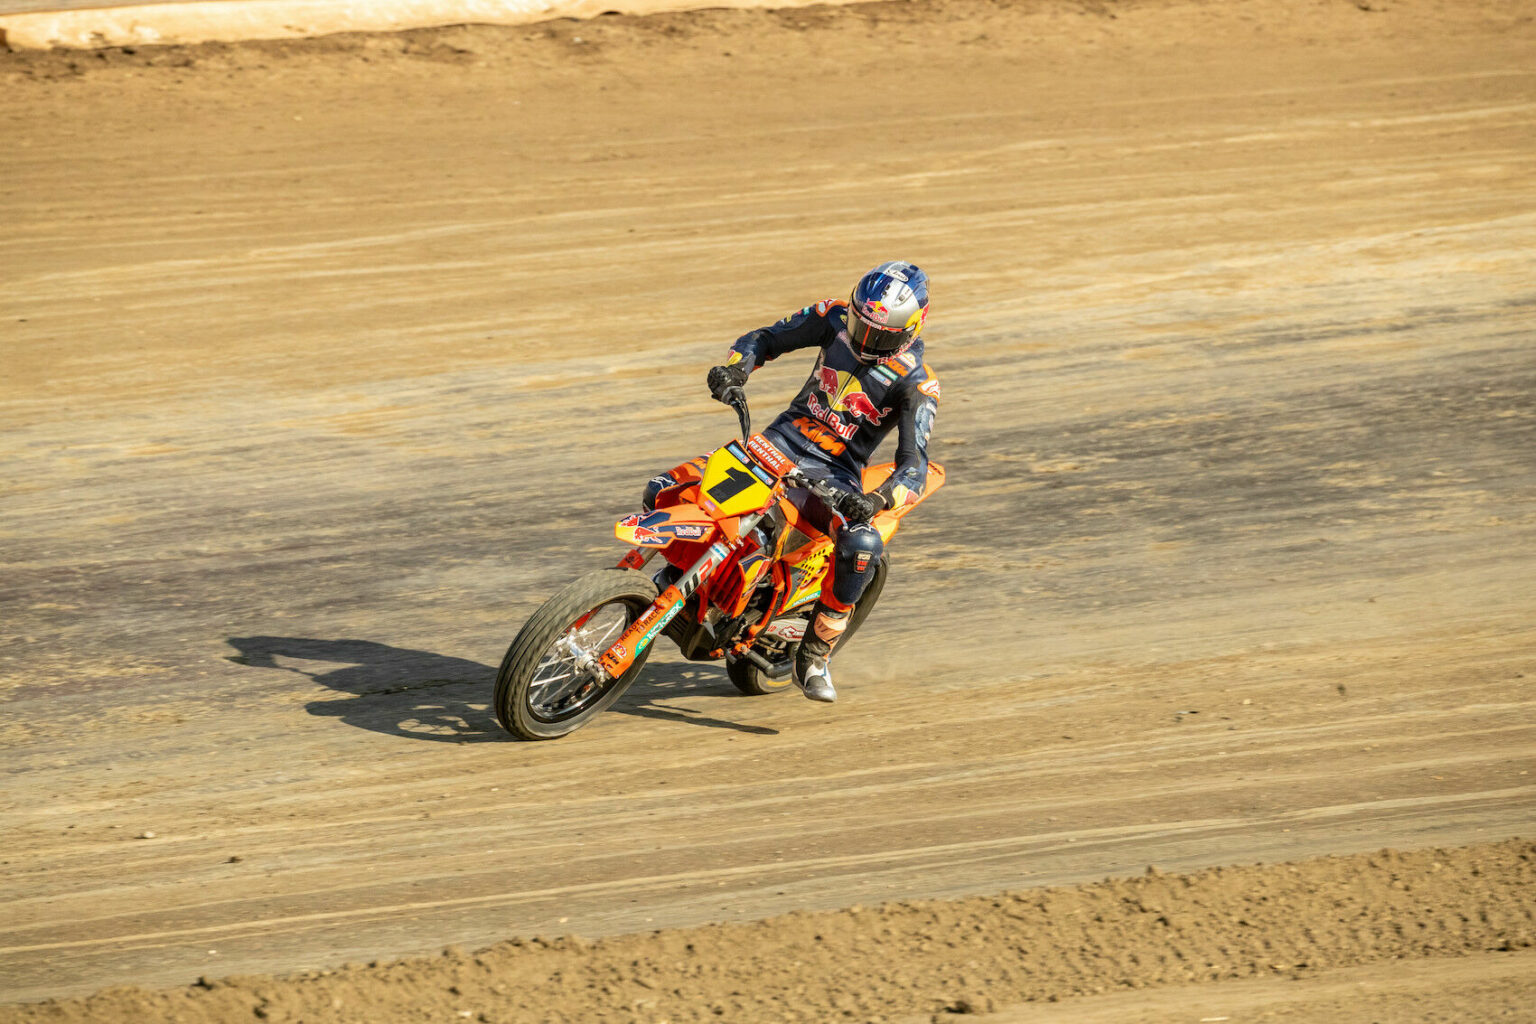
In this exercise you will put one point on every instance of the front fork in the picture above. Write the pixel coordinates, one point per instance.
(617, 659)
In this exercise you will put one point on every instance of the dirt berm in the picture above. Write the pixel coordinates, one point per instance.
(962, 957)
(322, 364)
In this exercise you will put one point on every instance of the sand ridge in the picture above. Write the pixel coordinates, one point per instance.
(888, 962)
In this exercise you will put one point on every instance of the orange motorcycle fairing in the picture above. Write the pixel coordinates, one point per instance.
(800, 539)
(680, 522)
(733, 583)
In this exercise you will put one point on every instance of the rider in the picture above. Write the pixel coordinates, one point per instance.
(869, 376)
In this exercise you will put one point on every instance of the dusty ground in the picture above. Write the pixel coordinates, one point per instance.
(323, 364)
(1235, 940)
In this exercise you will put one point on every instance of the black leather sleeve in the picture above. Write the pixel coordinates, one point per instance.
(810, 327)
(913, 429)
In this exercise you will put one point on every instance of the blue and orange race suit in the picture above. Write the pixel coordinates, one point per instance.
(832, 428)
(847, 407)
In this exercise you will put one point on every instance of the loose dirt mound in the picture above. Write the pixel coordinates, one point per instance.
(960, 957)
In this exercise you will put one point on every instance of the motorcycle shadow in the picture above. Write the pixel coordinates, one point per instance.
(422, 695)
(674, 681)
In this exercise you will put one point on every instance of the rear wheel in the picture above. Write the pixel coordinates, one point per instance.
(549, 684)
(750, 679)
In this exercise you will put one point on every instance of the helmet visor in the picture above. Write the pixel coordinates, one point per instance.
(876, 341)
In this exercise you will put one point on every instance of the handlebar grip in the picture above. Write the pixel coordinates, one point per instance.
(736, 397)
(820, 488)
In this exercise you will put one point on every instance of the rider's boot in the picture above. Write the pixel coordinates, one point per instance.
(812, 672)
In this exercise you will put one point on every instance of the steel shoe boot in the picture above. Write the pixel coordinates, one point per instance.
(812, 672)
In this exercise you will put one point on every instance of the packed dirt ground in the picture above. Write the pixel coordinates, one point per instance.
(325, 362)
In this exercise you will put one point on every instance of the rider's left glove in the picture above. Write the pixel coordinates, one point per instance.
(858, 508)
(722, 377)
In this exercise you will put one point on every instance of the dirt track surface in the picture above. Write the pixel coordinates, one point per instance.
(324, 364)
(967, 957)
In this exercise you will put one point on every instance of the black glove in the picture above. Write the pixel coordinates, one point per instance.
(858, 508)
(722, 377)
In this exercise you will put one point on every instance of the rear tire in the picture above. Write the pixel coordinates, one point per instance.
(754, 682)
(541, 692)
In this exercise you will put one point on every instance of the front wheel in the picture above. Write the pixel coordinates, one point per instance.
(549, 684)
(751, 680)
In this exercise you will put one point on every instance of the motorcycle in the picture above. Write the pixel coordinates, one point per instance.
(744, 569)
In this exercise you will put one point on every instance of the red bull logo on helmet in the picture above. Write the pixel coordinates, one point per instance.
(845, 403)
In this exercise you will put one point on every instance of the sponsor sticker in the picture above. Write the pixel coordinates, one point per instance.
(791, 631)
(650, 634)
(764, 451)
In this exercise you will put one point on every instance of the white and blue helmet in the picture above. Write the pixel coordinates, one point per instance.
(887, 310)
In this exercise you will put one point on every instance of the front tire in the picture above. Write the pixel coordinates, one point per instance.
(753, 681)
(548, 685)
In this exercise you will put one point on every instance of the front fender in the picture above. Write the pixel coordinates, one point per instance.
(658, 529)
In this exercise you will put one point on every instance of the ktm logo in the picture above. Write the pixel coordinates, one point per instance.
(820, 436)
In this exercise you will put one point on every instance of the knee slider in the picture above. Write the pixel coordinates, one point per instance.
(860, 538)
(653, 488)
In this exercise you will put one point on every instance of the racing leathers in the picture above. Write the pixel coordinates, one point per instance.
(832, 428)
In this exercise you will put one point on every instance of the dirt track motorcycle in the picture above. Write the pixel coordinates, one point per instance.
(744, 569)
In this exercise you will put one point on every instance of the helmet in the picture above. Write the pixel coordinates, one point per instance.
(887, 310)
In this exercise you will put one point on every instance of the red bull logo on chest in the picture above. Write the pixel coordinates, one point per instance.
(842, 402)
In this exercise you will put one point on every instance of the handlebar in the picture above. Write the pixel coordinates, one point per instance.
(736, 398)
(823, 490)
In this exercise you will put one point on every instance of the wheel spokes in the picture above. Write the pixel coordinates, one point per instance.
(568, 677)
